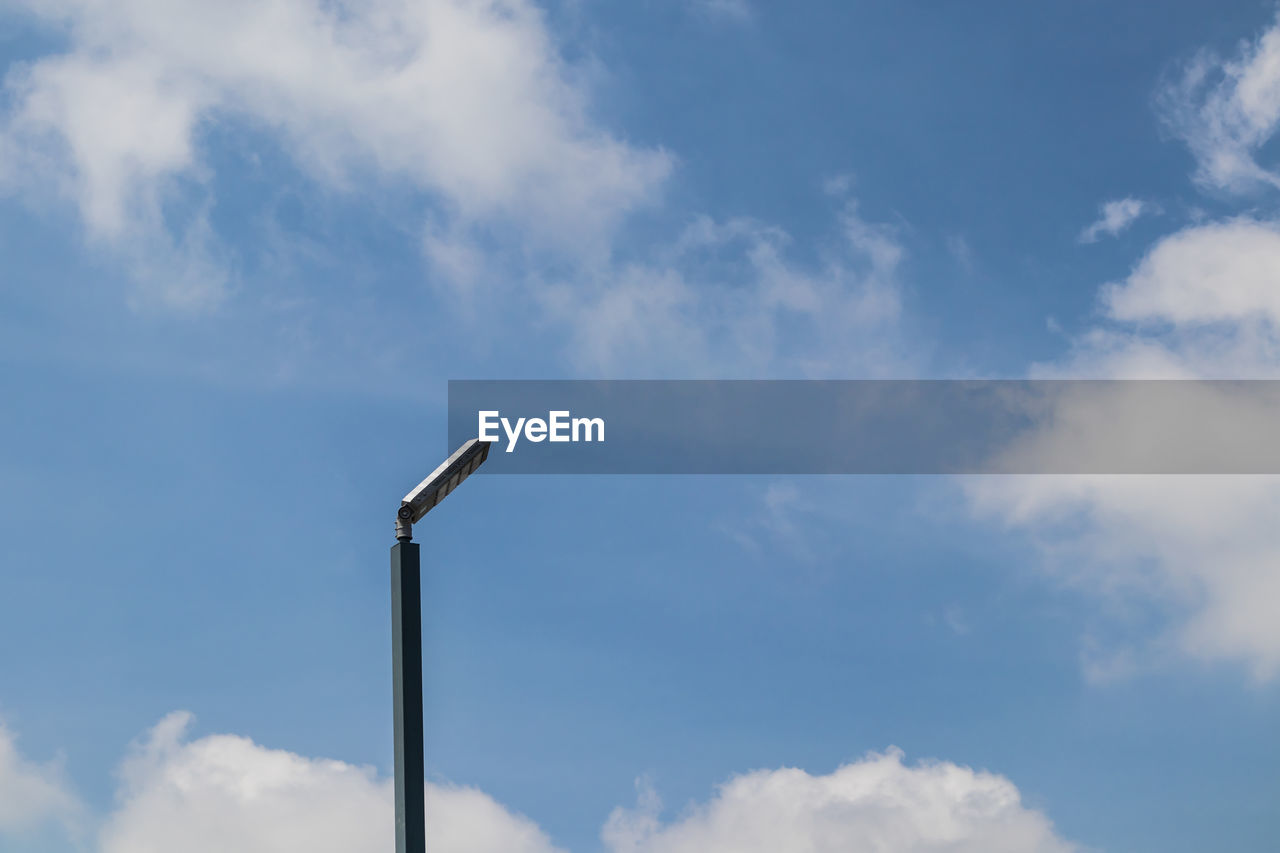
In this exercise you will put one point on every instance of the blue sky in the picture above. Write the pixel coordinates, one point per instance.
(245, 245)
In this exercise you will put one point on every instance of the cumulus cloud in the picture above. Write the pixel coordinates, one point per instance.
(1226, 109)
(1203, 547)
(31, 795)
(1217, 273)
(876, 804)
(1201, 303)
(1114, 217)
(224, 792)
(466, 101)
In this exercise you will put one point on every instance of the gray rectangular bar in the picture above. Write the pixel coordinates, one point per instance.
(878, 426)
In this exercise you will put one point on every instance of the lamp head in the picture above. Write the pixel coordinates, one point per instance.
(440, 482)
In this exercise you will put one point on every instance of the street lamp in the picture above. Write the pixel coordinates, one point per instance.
(406, 640)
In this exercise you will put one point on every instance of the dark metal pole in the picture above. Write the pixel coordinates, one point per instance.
(406, 661)
(406, 640)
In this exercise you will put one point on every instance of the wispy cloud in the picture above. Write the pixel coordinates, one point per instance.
(32, 795)
(470, 104)
(1226, 110)
(1114, 217)
(961, 252)
(735, 11)
(726, 299)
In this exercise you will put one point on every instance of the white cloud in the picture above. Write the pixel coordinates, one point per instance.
(468, 101)
(1226, 110)
(1204, 547)
(737, 11)
(876, 804)
(728, 300)
(782, 517)
(31, 795)
(953, 617)
(1200, 304)
(962, 252)
(223, 792)
(1114, 217)
(838, 185)
(1221, 272)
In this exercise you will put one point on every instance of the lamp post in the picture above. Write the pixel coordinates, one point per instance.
(406, 641)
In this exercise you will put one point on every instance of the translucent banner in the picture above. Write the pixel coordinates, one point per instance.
(871, 426)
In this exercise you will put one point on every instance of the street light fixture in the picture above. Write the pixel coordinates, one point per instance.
(406, 640)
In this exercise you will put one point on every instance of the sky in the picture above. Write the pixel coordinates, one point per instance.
(245, 245)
